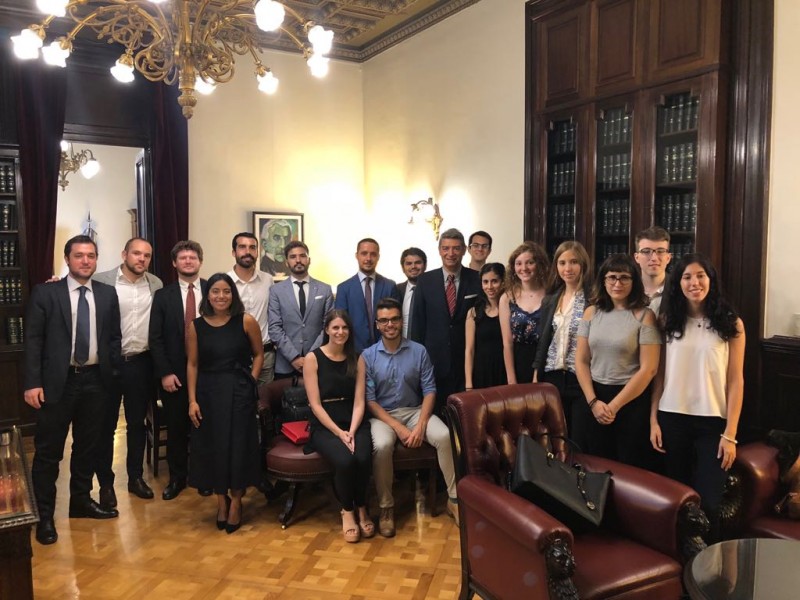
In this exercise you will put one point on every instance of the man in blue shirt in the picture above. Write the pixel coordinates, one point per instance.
(401, 392)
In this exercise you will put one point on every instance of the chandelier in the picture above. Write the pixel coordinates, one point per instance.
(191, 42)
(72, 162)
(430, 213)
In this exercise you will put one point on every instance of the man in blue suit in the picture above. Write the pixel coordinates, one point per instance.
(360, 294)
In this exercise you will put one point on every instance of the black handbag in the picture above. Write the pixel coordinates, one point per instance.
(570, 493)
(294, 404)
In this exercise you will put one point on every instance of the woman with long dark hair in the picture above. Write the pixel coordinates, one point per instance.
(483, 358)
(224, 357)
(562, 310)
(616, 359)
(334, 380)
(697, 395)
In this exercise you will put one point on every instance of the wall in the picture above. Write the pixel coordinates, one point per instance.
(107, 196)
(783, 276)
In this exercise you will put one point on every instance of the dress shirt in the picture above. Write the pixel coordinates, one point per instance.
(362, 277)
(198, 294)
(407, 298)
(399, 379)
(255, 297)
(296, 289)
(457, 276)
(135, 301)
(74, 295)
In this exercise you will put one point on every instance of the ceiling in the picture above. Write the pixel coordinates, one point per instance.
(362, 28)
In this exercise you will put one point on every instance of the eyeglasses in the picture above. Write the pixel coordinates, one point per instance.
(657, 251)
(392, 320)
(480, 246)
(614, 279)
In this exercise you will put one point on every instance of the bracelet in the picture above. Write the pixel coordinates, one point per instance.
(727, 439)
(592, 403)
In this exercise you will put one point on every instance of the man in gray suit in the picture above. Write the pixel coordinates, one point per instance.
(135, 385)
(297, 307)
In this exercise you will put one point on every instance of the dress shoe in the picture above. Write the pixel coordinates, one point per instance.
(108, 498)
(90, 509)
(205, 491)
(230, 527)
(139, 488)
(386, 522)
(174, 487)
(46, 532)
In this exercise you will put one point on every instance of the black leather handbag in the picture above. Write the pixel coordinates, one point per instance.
(570, 493)
(294, 404)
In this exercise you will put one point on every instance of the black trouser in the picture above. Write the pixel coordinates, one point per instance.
(82, 404)
(568, 388)
(135, 389)
(176, 417)
(691, 445)
(351, 472)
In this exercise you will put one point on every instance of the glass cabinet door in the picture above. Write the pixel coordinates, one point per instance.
(613, 182)
(561, 171)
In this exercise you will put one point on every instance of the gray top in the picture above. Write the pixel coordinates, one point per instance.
(614, 340)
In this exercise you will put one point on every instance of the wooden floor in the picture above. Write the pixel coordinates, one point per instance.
(172, 550)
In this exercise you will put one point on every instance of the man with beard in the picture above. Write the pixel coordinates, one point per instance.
(134, 385)
(253, 286)
(413, 261)
(174, 307)
(297, 307)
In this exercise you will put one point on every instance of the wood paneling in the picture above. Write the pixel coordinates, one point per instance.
(13, 411)
(781, 384)
(563, 53)
(616, 47)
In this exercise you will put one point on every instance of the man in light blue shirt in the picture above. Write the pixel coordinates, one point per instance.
(401, 392)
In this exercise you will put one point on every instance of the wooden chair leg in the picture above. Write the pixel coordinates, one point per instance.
(288, 509)
(432, 474)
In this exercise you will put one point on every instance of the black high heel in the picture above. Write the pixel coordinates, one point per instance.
(221, 524)
(231, 527)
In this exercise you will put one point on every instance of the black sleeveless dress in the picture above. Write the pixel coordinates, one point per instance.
(488, 368)
(224, 449)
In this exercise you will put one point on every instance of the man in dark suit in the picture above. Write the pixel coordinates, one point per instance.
(442, 299)
(296, 310)
(174, 306)
(360, 294)
(413, 261)
(72, 347)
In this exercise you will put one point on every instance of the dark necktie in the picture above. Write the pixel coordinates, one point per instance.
(301, 295)
(191, 309)
(82, 328)
(450, 292)
(368, 302)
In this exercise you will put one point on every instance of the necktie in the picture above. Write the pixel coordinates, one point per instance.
(450, 292)
(407, 300)
(191, 309)
(302, 297)
(82, 328)
(368, 302)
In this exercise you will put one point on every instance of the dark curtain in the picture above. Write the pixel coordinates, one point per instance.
(41, 101)
(170, 178)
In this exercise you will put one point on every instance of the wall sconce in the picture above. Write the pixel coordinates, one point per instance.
(430, 212)
(83, 161)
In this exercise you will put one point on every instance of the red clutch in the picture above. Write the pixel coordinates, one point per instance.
(296, 431)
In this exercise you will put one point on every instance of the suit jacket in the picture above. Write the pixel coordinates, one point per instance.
(167, 338)
(401, 289)
(110, 278)
(350, 297)
(431, 323)
(48, 336)
(292, 334)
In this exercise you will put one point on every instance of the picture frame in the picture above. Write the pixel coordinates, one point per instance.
(274, 230)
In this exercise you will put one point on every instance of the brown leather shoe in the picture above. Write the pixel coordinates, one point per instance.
(386, 523)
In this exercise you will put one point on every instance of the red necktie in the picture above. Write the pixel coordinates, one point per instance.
(450, 292)
(191, 309)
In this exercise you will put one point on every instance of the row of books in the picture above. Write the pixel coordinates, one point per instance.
(613, 216)
(15, 330)
(606, 250)
(8, 253)
(615, 128)
(8, 217)
(562, 179)
(8, 179)
(614, 171)
(679, 250)
(678, 212)
(11, 290)
(563, 139)
(679, 163)
(680, 113)
(562, 220)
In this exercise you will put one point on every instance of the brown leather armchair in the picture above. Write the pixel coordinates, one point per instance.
(510, 548)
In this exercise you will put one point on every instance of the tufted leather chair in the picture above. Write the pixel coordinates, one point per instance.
(511, 549)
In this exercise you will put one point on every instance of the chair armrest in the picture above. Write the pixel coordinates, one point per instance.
(644, 506)
(757, 465)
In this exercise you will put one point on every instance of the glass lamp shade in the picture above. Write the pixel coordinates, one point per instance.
(269, 14)
(203, 87)
(57, 8)
(90, 169)
(267, 83)
(318, 65)
(122, 72)
(27, 44)
(55, 54)
(321, 39)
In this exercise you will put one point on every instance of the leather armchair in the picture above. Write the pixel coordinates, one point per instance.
(511, 548)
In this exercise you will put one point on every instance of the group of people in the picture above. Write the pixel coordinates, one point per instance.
(378, 361)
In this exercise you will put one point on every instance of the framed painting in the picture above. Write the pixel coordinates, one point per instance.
(274, 230)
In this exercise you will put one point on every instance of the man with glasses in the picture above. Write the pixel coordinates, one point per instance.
(653, 255)
(401, 393)
(480, 247)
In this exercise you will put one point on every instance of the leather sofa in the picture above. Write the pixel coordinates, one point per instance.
(511, 548)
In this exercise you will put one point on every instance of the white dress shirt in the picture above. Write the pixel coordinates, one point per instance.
(296, 289)
(74, 295)
(135, 302)
(255, 297)
(407, 307)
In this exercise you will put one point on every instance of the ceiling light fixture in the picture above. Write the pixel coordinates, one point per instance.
(188, 42)
(430, 212)
(84, 161)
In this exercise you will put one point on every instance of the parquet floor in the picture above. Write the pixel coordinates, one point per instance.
(172, 550)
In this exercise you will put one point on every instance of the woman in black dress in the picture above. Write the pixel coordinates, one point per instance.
(483, 360)
(334, 381)
(224, 356)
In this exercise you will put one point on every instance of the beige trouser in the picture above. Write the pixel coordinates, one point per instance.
(383, 441)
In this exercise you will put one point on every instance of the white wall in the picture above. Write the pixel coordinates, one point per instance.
(107, 196)
(783, 275)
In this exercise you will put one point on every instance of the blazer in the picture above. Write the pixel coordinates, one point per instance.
(167, 336)
(431, 324)
(48, 336)
(350, 297)
(292, 334)
(401, 289)
(110, 278)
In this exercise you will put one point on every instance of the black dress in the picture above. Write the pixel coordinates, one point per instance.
(224, 449)
(488, 368)
(351, 471)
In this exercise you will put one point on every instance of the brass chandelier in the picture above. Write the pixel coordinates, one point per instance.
(191, 42)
